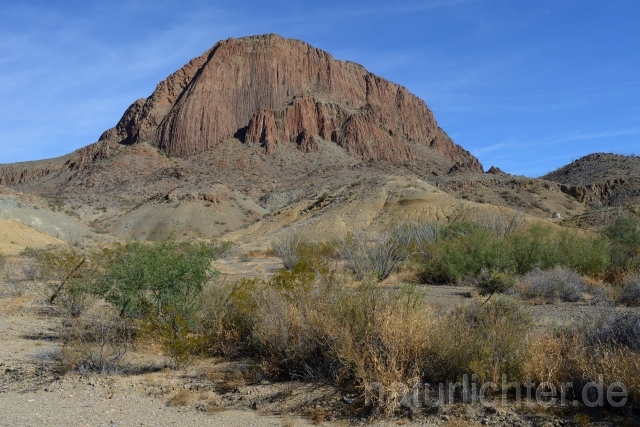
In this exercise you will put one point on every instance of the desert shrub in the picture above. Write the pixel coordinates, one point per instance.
(295, 340)
(419, 238)
(487, 340)
(494, 281)
(630, 295)
(96, 341)
(531, 248)
(3, 262)
(601, 347)
(373, 257)
(550, 285)
(590, 256)
(612, 329)
(140, 279)
(466, 249)
(56, 263)
(178, 335)
(286, 248)
(564, 358)
(226, 318)
(65, 272)
(624, 234)
(161, 284)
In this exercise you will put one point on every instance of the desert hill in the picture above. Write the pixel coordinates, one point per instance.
(260, 133)
(601, 179)
(241, 131)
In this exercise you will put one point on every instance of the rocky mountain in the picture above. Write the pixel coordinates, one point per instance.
(271, 92)
(260, 133)
(601, 179)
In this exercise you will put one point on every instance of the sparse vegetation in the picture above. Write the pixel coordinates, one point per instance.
(311, 321)
(559, 283)
(286, 248)
(630, 295)
(374, 257)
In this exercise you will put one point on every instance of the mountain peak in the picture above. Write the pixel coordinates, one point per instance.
(272, 92)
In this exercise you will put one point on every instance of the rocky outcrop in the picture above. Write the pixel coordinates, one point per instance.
(271, 91)
(615, 192)
(494, 170)
(18, 173)
(601, 179)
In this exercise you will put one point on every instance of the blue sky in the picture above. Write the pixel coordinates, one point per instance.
(526, 86)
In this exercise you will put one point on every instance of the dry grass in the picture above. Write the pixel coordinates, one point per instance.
(567, 358)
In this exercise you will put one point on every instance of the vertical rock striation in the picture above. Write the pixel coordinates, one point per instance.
(271, 91)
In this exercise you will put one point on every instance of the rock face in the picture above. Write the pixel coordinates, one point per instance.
(272, 91)
(601, 179)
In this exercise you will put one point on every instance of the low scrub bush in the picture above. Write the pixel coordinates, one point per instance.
(160, 283)
(602, 348)
(487, 340)
(624, 234)
(374, 258)
(464, 250)
(96, 341)
(559, 283)
(141, 279)
(630, 294)
(467, 249)
(494, 281)
(286, 248)
(66, 273)
(613, 329)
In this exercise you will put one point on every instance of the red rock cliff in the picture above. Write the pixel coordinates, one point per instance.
(271, 91)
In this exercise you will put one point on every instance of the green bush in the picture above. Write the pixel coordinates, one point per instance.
(624, 234)
(142, 279)
(468, 249)
(464, 251)
(161, 283)
(494, 281)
